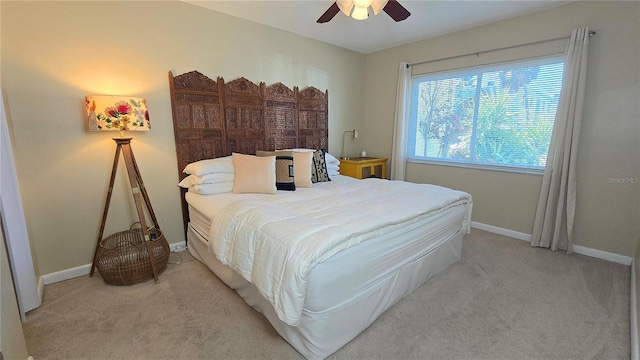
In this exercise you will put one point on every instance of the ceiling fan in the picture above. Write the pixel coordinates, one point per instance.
(358, 9)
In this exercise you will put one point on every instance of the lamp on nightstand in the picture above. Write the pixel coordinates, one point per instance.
(138, 254)
(354, 135)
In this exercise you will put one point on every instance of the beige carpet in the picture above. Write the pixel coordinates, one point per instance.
(502, 300)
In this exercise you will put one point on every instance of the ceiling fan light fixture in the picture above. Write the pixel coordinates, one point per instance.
(378, 5)
(362, 3)
(359, 9)
(360, 13)
(345, 6)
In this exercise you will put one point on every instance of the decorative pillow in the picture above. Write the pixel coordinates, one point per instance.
(210, 166)
(284, 168)
(327, 157)
(302, 165)
(212, 189)
(254, 174)
(193, 180)
(319, 168)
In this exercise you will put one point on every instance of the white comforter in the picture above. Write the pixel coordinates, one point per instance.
(275, 241)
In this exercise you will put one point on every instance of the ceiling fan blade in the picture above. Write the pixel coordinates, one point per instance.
(396, 11)
(329, 14)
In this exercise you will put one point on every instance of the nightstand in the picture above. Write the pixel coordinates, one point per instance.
(364, 167)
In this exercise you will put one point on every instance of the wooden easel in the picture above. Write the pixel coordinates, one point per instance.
(139, 194)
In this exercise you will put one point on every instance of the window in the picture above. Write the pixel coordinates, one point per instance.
(498, 116)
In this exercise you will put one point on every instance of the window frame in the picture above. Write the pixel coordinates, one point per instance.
(460, 72)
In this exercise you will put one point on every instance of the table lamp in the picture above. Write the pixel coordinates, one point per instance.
(354, 135)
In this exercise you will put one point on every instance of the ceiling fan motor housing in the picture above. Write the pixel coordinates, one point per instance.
(358, 9)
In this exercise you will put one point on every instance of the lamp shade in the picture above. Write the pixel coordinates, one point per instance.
(117, 113)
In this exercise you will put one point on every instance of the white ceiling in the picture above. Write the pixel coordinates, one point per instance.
(428, 19)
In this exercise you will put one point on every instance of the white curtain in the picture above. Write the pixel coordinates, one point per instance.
(399, 150)
(553, 225)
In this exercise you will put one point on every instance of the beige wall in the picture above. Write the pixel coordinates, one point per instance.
(607, 212)
(508, 212)
(55, 53)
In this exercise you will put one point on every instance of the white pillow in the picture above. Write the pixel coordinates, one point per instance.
(298, 150)
(332, 166)
(212, 189)
(330, 159)
(332, 173)
(210, 166)
(302, 168)
(254, 174)
(192, 180)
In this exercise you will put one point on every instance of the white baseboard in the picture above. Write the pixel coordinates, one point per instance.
(66, 274)
(85, 270)
(501, 231)
(603, 255)
(633, 314)
(582, 250)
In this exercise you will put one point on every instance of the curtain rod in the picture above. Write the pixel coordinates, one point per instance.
(477, 53)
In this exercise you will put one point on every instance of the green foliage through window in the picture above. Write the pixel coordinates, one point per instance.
(498, 115)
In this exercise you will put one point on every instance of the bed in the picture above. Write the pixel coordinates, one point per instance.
(324, 261)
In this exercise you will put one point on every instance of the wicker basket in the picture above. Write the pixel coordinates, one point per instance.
(122, 258)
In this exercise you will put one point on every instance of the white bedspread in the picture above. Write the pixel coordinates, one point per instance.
(275, 241)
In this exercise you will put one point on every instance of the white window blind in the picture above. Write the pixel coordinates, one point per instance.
(497, 116)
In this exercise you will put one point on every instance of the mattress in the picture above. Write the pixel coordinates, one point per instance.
(349, 290)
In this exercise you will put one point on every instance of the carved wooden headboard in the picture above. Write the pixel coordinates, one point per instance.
(212, 118)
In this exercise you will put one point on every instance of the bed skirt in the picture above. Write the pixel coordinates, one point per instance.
(321, 333)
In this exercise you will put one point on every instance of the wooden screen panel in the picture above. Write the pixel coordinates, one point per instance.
(313, 124)
(198, 125)
(197, 117)
(281, 117)
(244, 116)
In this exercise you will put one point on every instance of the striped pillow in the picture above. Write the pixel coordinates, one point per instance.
(319, 167)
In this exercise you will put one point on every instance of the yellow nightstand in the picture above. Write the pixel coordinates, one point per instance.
(364, 167)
